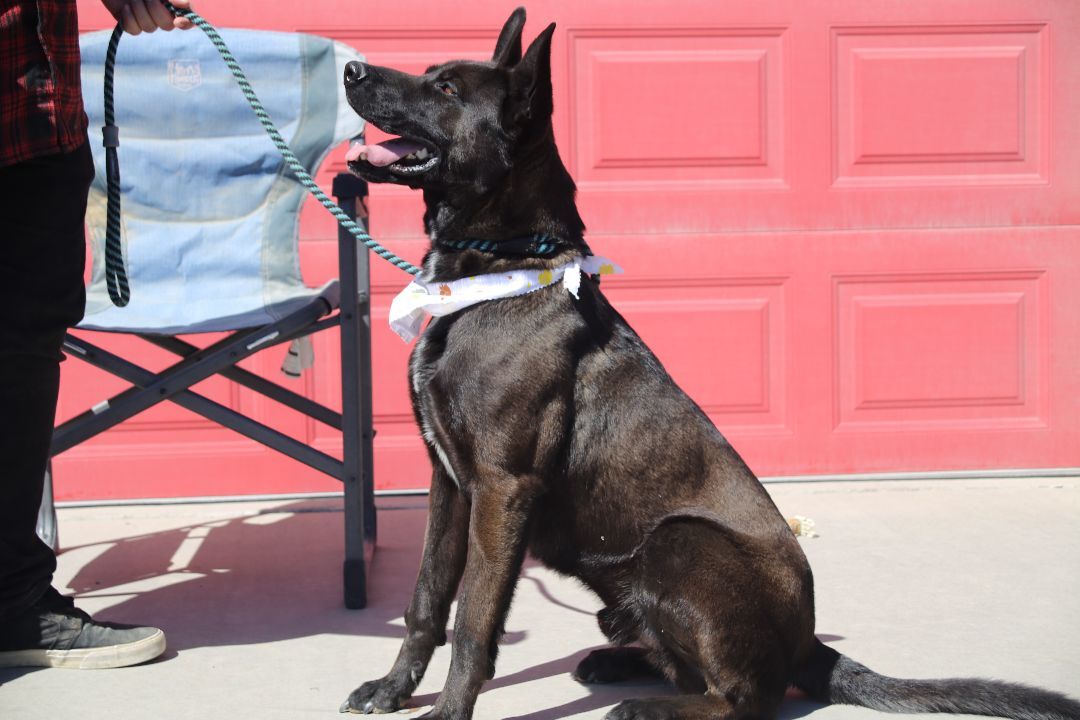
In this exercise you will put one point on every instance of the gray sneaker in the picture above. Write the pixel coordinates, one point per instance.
(54, 633)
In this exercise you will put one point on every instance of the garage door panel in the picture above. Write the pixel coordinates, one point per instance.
(904, 349)
(941, 105)
(953, 350)
(676, 107)
(730, 356)
(929, 124)
(961, 351)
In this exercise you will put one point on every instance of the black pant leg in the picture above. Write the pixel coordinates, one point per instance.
(42, 258)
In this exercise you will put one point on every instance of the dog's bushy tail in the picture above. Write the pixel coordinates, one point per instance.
(830, 677)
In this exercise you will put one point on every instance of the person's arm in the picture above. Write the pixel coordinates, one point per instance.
(147, 15)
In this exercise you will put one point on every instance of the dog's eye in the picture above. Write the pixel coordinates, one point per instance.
(446, 88)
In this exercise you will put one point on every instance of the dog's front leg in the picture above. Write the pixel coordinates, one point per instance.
(497, 539)
(445, 544)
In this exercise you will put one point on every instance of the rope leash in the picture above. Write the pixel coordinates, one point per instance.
(115, 274)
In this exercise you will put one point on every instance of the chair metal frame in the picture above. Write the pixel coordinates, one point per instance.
(351, 298)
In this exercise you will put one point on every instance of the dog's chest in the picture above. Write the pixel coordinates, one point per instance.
(422, 368)
(490, 383)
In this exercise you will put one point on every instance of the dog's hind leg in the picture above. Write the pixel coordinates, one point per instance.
(721, 614)
(443, 561)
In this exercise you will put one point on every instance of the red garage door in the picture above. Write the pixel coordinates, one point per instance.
(850, 229)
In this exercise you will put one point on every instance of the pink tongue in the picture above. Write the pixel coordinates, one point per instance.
(386, 152)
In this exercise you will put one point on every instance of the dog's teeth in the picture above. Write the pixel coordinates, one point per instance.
(421, 154)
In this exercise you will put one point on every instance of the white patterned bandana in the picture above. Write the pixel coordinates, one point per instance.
(418, 299)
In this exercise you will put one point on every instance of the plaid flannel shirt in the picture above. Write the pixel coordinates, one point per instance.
(41, 108)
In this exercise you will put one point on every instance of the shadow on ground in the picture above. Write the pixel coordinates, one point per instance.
(276, 575)
(265, 577)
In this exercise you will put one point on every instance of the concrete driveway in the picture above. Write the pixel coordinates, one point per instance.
(916, 579)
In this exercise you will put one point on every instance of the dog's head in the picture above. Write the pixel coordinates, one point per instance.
(460, 123)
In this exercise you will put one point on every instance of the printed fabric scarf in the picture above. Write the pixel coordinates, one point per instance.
(420, 299)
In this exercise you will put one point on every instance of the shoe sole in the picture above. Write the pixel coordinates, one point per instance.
(99, 658)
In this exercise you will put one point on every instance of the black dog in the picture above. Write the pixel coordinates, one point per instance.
(554, 430)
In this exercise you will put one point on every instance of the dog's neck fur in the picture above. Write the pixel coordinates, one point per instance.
(535, 197)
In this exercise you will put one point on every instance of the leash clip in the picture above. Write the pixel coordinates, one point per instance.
(110, 135)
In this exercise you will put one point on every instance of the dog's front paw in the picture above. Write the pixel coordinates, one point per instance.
(375, 696)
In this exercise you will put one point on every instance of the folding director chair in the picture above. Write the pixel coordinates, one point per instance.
(210, 230)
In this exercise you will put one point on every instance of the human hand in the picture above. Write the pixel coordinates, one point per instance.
(147, 15)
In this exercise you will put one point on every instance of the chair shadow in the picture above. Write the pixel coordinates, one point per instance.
(276, 575)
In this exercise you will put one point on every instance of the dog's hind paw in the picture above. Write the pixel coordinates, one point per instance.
(642, 709)
(374, 696)
(681, 707)
(615, 664)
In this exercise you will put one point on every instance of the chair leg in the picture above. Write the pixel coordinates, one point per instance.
(355, 566)
(355, 411)
(352, 451)
(47, 528)
(367, 429)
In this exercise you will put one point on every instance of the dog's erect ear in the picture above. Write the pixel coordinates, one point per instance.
(531, 80)
(508, 47)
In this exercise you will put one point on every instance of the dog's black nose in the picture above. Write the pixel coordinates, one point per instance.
(355, 72)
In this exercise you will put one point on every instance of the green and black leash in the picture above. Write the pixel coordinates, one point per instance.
(115, 273)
